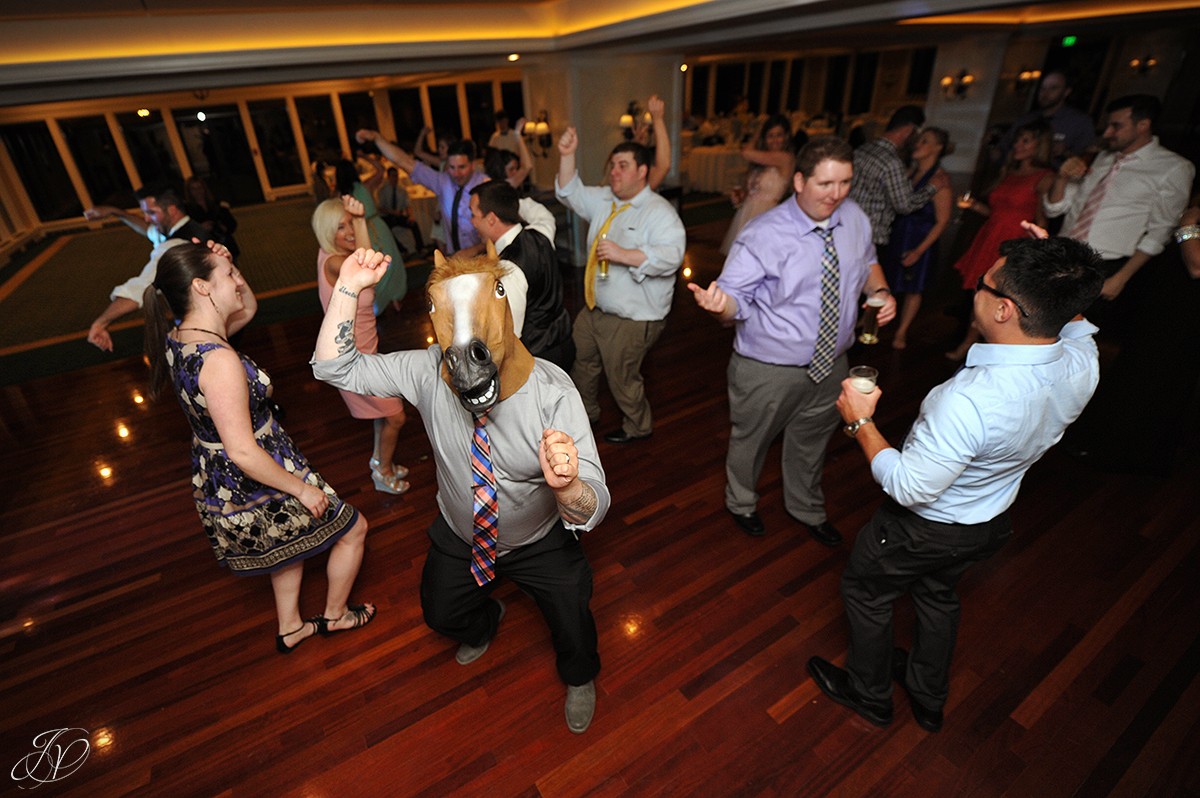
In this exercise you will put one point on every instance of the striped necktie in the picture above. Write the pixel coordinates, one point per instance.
(487, 508)
(1083, 225)
(589, 274)
(827, 331)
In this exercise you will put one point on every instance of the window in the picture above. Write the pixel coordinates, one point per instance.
(513, 97)
(836, 70)
(41, 170)
(406, 115)
(700, 91)
(219, 153)
(95, 153)
(795, 84)
(358, 111)
(920, 71)
(775, 88)
(480, 113)
(443, 107)
(276, 142)
(731, 82)
(755, 85)
(866, 65)
(319, 128)
(150, 147)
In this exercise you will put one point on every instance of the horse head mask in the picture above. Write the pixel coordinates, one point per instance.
(482, 358)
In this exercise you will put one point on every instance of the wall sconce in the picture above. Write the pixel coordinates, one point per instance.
(955, 88)
(1027, 78)
(633, 112)
(537, 134)
(1144, 64)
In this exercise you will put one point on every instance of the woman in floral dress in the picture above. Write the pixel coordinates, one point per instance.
(262, 506)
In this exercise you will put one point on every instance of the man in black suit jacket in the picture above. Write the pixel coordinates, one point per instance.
(496, 214)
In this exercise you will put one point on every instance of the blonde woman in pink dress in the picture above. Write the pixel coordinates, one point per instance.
(772, 166)
(340, 227)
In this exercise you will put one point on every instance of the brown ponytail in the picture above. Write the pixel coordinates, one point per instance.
(170, 293)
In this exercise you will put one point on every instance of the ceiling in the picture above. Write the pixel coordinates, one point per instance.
(71, 49)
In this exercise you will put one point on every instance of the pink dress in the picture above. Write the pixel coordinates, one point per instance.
(1013, 201)
(366, 340)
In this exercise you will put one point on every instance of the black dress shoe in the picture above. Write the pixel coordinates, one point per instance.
(825, 533)
(928, 719)
(621, 436)
(750, 523)
(835, 683)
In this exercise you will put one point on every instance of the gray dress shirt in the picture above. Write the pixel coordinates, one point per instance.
(547, 400)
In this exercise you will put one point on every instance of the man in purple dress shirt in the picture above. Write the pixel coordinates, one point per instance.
(452, 187)
(771, 290)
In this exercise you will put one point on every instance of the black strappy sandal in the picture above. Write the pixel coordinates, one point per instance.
(362, 616)
(284, 648)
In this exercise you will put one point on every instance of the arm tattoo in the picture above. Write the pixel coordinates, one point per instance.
(344, 290)
(345, 337)
(580, 510)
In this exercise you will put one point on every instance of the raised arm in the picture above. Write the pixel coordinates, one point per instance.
(421, 149)
(362, 269)
(568, 143)
(526, 160)
(390, 151)
(134, 221)
(662, 142)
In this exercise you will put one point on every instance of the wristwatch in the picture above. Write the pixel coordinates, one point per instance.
(853, 427)
(1187, 233)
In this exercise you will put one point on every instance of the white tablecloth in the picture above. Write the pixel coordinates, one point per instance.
(715, 168)
(422, 205)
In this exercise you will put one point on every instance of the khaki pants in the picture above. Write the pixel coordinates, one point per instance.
(616, 346)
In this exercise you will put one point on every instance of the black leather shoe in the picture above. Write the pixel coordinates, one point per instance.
(928, 719)
(621, 436)
(825, 533)
(750, 523)
(835, 683)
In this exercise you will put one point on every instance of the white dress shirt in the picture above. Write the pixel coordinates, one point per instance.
(1141, 206)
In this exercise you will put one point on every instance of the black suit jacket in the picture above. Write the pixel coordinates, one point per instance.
(547, 323)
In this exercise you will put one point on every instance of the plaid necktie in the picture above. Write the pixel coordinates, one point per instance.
(589, 273)
(827, 331)
(487, 509)
(1083, 225)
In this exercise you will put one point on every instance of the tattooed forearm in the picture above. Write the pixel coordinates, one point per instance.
(345, 337)
(582, 508)
(344, 290)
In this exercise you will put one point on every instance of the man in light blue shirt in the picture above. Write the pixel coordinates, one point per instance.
(950, 487)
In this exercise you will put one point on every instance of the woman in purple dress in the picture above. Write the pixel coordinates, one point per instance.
(262, 506)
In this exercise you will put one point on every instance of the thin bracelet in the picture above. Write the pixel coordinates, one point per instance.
(1187, 233)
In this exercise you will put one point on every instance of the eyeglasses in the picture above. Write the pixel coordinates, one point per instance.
(982, 286)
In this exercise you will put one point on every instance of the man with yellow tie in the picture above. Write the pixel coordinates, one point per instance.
(635, 246)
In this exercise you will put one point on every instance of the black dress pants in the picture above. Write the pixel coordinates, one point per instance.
(554, 571)
(899, 552)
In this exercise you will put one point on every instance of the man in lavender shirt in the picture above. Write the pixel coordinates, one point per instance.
(770, 289)
(452, 187)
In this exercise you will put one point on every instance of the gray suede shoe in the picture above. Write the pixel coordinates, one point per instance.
(581, 706)
(468, 654)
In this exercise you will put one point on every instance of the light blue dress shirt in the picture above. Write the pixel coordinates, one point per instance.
(981, 430)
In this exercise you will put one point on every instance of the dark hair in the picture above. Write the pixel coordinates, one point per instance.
(463, 147)
(641, 153)
(1068, 76)
(1054, 279)
(393, 170)
(500, 198)
(823, 148)
(1141, 106)
(495, 163)
(501, 114)
(163, 194)
(906, 115)
(778, 120)
(345, 175)
(170, 292)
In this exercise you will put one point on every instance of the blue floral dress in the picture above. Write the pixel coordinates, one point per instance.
(253, 528)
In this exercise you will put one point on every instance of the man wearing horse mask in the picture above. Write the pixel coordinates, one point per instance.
(517, 469)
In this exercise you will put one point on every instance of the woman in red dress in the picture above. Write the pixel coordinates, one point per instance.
(1015, 198)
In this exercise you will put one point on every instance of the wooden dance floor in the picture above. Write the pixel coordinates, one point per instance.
(1075, 674)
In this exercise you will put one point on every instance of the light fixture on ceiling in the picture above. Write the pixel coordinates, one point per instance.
(514, 56)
